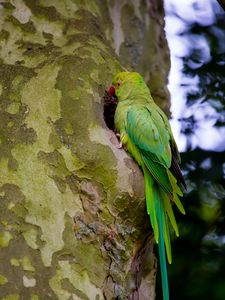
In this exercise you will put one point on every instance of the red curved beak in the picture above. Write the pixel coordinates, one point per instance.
(111, 91)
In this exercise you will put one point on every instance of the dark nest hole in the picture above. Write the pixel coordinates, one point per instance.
(110, 104)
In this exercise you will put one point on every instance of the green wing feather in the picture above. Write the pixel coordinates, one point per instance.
(146, 128)
(147, 131)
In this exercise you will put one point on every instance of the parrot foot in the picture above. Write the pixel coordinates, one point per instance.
(120, 144)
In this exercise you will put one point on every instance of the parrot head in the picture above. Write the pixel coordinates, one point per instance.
(127, 85)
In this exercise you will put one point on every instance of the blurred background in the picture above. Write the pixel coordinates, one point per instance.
(196, 36)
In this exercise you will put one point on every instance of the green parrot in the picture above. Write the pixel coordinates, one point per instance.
(146, 134)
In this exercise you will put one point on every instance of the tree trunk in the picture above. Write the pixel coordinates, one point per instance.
(72, 208)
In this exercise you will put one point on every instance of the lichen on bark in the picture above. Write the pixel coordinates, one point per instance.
(73, 221)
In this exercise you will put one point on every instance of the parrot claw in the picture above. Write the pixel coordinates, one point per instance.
(120, 145)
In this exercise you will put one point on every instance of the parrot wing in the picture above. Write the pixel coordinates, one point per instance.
(174, 168)
(146, 129)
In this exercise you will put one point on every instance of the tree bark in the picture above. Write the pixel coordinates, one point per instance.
(72, 207)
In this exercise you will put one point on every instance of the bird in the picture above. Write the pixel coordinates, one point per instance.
(145, 133)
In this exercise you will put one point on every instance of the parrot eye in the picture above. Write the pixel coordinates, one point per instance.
(119, 83)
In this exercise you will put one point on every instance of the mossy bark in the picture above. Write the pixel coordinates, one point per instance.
(72, 208)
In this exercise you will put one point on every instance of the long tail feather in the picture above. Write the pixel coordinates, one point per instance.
(160, 215)
(179, 204)
(168, 207)
(150, 204)
(167, 239)
(159, 208)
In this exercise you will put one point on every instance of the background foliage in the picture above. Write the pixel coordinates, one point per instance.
(198, 265)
